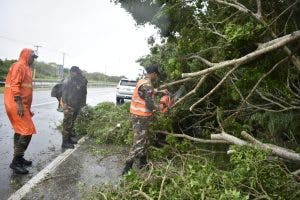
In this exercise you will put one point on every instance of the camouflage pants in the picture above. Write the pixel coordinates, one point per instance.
(70, 115)
(21, 143)
(140, 137)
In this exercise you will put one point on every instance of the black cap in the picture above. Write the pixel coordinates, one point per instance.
(152, 69)
(75, 69)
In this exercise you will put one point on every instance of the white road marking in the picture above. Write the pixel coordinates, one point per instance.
(27, 187)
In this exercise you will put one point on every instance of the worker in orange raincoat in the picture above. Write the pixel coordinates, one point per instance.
(17, 100)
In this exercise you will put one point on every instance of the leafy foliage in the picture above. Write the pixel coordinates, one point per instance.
(106, 122)
(249, 175)
(217, 32)
(4, 67)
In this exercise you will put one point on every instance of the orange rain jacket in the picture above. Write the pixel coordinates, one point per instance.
(19, 83)
(138, 105)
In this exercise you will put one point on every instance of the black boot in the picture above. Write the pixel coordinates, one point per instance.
(17, 166)
(25, 162)
(66, 144)
(128, 166)
(142, 162)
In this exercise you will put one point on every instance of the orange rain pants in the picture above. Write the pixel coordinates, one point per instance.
(19, 83)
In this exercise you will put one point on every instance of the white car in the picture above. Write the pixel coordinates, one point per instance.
(125, 90)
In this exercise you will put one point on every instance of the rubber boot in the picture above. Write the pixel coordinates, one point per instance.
(128, 166)
(17, 166)
(142, 162)
(25, 162)
(66, 144)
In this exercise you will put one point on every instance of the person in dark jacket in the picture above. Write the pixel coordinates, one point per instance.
(74, 90)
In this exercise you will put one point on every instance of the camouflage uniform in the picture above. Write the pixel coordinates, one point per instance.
(74, 90)
(21, 143)
(141, 137)
(70, 115)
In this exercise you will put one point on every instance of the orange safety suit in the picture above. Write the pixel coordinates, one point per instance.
(19, 83)
(138, 105)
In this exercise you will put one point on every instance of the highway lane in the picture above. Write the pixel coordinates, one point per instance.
(45, 145)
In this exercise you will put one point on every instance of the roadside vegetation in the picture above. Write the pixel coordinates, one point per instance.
(47, 71)
(235, 132)
(185, 169)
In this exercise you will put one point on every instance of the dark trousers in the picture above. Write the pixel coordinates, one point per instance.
(21, 143)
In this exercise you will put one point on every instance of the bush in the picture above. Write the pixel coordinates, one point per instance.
(106, 122)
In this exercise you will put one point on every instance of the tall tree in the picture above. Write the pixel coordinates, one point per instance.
(239, 61)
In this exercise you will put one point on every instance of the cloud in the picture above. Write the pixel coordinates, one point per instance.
(98, 36)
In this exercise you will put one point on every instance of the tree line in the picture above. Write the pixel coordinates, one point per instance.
(48, 71)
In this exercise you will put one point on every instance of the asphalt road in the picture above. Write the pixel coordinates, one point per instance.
(45, 145)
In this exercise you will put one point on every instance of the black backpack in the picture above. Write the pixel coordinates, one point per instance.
(57, 90)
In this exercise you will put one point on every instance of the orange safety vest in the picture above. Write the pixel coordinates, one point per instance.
(138, 105)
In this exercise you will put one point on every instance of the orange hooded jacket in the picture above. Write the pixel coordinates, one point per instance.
(19, 83)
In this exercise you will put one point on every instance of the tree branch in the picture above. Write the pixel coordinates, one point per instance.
(206, 62)
(175, 82)
(280, 42)
(192, 91)
(256, 85)
(279, 151)
(215, 88)
(242, 8)
(296, 173)
(259, 10)
(212, 141)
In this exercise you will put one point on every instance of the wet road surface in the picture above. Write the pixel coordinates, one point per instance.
(89, 166)
(45, 145)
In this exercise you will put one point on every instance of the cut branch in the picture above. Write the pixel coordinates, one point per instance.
(213, 141)
(279, 151)
(280, 42)
(229, 138)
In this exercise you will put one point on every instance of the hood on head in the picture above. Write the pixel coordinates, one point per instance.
(25, 55)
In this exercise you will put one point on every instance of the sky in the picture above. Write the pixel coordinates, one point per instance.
(96, 35)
